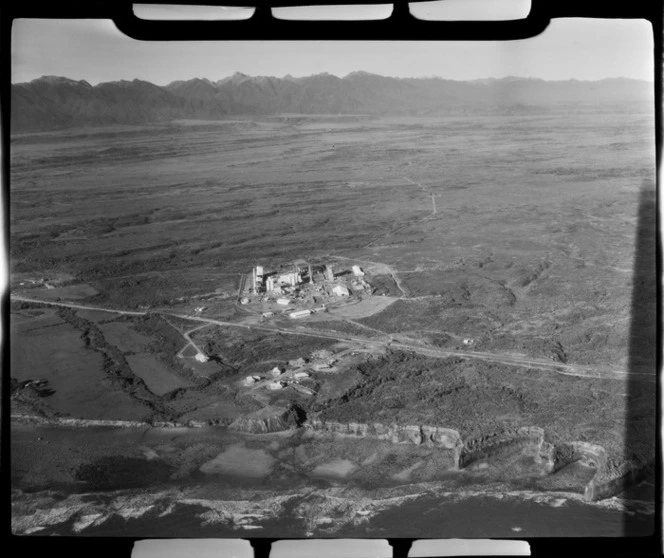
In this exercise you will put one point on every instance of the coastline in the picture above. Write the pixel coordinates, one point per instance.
(313, 512)
(277, 502)
(472, 455)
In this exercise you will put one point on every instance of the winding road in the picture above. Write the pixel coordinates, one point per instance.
(579, 370)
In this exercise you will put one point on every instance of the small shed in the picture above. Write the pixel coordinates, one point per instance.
(200, 357)
(275, 385)
(283, 301)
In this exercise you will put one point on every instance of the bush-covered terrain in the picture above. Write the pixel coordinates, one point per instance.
(529, 234)
(481, 399)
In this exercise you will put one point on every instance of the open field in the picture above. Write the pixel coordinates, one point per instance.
(97, 316)
(158, 378)
(363, 308)
(124, 338)
(75, 374)
(74, 292)
(34, 319)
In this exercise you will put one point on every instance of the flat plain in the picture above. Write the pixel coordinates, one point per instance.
(533, 225)
(505, 246)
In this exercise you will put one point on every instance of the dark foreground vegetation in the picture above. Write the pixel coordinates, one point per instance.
(481, 399)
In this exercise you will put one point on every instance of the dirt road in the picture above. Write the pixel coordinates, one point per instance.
(190, 342)
(427, 191)
(511, 360)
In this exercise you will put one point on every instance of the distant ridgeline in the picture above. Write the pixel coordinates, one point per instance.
(53, 102)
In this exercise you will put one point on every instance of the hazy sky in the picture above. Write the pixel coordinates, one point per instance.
(94, 50)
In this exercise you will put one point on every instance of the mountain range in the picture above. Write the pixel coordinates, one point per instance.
(52, 102)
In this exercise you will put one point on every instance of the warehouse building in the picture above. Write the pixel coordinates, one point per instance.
(300, 313)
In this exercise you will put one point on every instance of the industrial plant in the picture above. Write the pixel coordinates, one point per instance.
(302, 288)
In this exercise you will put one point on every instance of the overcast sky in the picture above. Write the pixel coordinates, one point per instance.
(96, 51)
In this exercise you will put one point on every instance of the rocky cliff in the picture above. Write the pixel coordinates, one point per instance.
(528, 440)
(268, 419)
(469, 454)
(438, 436)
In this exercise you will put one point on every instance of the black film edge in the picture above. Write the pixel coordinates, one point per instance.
(401, 25)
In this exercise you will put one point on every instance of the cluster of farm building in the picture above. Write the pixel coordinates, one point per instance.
(293, 373)
(303, 289)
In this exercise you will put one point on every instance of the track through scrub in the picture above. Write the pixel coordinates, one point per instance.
(190, 342)
(510, 360)
(427, 191)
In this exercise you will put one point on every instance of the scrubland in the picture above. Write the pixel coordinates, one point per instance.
(529, 235)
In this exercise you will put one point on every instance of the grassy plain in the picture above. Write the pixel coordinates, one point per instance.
(517, 232)
(159, 379)
(533, 228)
(123, 336)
